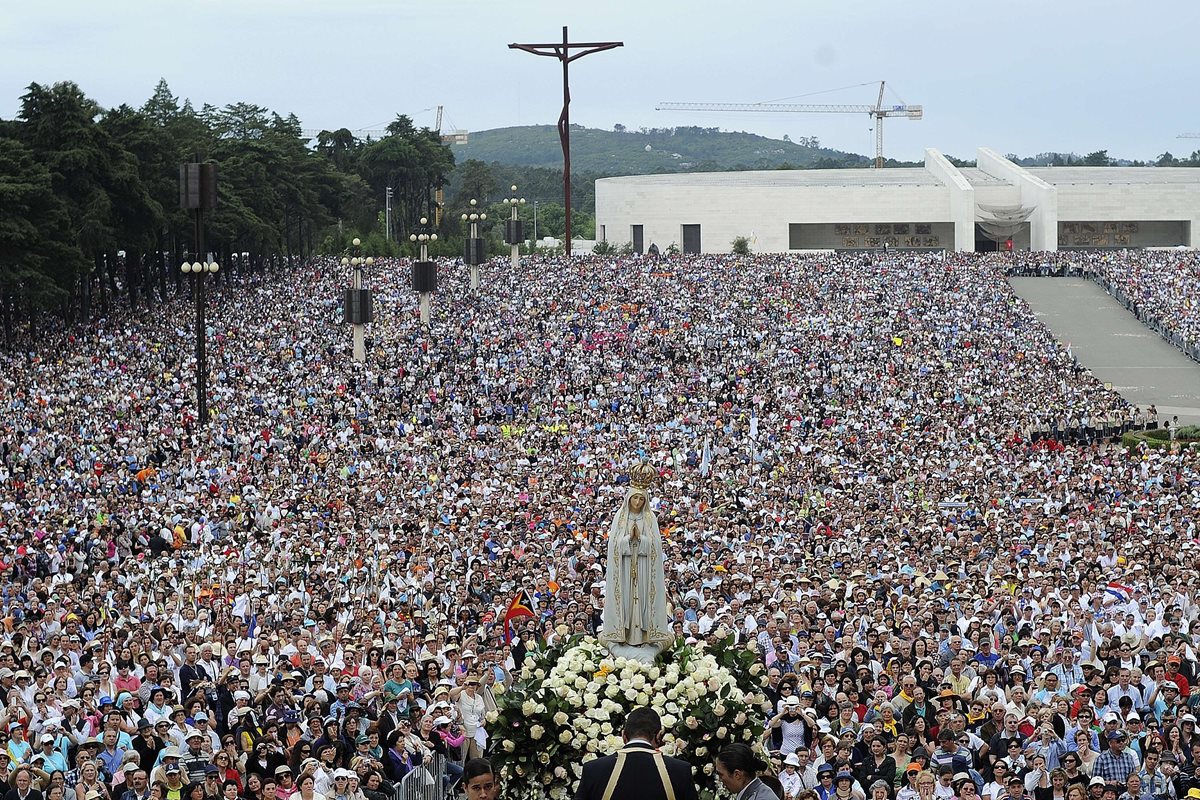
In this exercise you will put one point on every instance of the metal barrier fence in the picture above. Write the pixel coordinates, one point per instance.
(427, 782)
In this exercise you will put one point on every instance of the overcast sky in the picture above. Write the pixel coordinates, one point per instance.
(1018, 76)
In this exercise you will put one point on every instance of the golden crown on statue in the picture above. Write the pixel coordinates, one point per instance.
(642, 476)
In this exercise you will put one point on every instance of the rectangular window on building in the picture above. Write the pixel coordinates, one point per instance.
(636, 237)
(794, 237)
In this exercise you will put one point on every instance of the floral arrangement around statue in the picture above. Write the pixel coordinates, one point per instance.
(567, 705)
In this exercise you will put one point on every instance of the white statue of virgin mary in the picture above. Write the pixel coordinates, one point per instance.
(635, 601)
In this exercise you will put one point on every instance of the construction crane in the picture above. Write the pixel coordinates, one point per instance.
(456, 136)
(878, 111)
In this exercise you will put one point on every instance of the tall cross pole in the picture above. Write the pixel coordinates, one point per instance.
(562, 51)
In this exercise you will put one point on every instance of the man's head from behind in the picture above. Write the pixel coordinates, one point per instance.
(642, 723)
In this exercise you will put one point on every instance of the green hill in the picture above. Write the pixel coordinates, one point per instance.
(648, 150)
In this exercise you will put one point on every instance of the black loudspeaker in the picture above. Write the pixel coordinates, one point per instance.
(514, 231)
(473, 251)
(198, 186)
(424, 276)
(357, 308)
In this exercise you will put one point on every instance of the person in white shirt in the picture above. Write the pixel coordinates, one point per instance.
(471, 709)
(790, 778)
(997, 789)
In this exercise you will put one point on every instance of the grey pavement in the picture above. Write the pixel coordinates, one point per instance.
(1118, 349)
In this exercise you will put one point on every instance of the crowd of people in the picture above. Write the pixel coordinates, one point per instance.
(866, 465)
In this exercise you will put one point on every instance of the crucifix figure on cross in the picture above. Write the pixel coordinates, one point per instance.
(562, 51)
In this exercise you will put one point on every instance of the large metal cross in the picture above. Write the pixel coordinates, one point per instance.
(562, 51)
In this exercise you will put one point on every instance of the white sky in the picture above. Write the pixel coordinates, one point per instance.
(1019, 76)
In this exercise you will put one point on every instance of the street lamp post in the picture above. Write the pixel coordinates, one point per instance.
(473, 246)
(198, 193)
(198, 271)
(357, 306)
(424, 271)
(513, 233)
(387, 211)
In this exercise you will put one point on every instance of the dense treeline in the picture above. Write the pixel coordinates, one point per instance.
(89, 198)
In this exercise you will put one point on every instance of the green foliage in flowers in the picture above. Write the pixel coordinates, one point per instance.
(568, 703)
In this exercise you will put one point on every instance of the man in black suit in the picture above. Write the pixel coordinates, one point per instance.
(638, 770)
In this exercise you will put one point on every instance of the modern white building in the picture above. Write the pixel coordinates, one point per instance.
(937, 206)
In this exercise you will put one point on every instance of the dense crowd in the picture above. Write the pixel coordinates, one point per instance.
(872, 468)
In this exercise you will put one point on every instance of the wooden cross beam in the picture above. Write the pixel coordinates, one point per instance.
(562, 51)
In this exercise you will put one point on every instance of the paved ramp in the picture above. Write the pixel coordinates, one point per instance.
(1117, 348)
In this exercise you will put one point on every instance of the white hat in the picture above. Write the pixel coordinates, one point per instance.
(443, 720)
(792, 760)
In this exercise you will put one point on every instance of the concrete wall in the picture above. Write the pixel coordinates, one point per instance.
(1035, 192)
(962, 199)
(764, 212)
(1121, 202)
(761, 213)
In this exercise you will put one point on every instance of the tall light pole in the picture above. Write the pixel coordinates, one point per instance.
(473, 246)
(356, 309)
(199, 270)
(424, 271)
(198, 192)
(387, 211)
(513, 235)
(535, 205)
